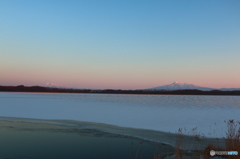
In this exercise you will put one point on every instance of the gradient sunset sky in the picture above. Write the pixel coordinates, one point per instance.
(120, 44)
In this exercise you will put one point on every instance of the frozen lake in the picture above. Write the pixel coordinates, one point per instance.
(165, 113)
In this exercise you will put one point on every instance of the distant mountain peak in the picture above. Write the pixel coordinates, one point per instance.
(179, 86)
(176, 82)
(50, 84)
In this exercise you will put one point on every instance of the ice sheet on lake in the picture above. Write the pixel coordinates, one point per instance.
(105, 130)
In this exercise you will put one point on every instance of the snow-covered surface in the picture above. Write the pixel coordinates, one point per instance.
(51, 85)
(165, 113)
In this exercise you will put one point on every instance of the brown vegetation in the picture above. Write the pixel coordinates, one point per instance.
(233, 138)
(232, 144)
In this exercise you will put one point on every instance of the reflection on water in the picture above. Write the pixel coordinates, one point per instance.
(190, 101)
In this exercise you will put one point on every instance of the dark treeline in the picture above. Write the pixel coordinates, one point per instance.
(22, 88)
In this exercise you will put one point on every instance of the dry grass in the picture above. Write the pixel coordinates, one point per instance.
(233, 138)
(179, 142)
(232, 144)
(232, 141)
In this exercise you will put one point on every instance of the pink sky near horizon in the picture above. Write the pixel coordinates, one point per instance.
(110, 75)
(114, 82)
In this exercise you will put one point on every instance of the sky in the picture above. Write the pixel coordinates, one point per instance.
(120, 44)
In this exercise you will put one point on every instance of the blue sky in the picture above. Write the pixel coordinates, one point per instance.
(120, 44)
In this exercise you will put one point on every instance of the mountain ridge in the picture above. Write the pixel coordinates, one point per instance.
(182, 86)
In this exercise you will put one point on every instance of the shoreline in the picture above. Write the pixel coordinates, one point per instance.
(22, 88)
(118, 93)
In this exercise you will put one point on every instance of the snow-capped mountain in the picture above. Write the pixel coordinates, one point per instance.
(51, 85)
(179, 86)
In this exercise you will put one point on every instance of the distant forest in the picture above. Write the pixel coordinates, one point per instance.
(22, 88)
